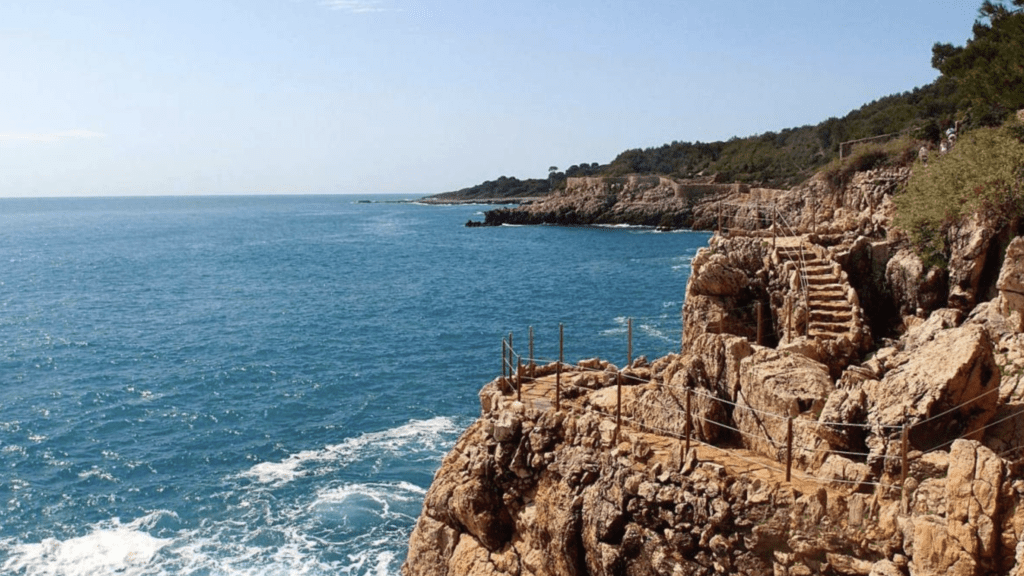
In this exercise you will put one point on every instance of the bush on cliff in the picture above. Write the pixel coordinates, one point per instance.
(898, 152)
(983, 173)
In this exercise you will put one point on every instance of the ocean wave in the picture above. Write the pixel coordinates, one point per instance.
(110, 547)
(370, 502)
(431, 435)
(636, 226)
(655, 332)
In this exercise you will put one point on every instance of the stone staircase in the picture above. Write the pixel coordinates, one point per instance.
(833, 310)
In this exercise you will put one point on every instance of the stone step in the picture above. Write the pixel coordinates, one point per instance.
(832, 310)
(828, 287)
(818, 316)
(820, 280)
(825, 294)
(821, 328)
(830, 314)
(815, 297)
(832, 305)
(794, 255)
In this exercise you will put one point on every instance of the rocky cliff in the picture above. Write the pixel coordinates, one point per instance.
(838, 407)
(636, 200)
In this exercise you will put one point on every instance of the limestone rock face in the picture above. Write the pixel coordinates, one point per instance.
(664, 407)
(636, 199)
(780, 383)
(953, 377)
(727, 280)
(1011, 284)
(969, 247)
(553, 499)
(528, 491)
(966, 541)
(914, 286)
(715, 276)
(843, 406)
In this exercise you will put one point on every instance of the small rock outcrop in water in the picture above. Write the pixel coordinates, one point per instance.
(892, 391)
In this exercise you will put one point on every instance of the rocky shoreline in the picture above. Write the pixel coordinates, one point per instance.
(637, 200)
(816, 345)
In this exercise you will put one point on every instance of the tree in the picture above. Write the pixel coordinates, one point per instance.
(552, 172)
(989, 70)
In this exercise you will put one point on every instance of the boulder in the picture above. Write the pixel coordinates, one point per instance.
(663, 408)
(923, 332)
(966, 541)
(843, 474)
(969, 244)
(843, 406)
(972, 496)
(1011, 284)
(720, 356)
(932, 550)
(431, 545)
(913, 285)
(773, 387)
(714, 275)
(953, 377)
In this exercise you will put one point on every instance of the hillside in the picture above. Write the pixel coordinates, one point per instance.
(772, 159)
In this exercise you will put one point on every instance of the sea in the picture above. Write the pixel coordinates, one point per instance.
(266, 385)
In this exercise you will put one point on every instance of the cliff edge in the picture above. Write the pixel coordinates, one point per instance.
(838, 407)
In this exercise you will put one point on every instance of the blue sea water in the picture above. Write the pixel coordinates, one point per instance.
(266, 385)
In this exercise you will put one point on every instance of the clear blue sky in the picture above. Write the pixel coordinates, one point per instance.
(421, 96)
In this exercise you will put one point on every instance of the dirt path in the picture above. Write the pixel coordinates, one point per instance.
(539, 394)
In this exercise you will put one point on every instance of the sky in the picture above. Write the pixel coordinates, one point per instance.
(416, 97)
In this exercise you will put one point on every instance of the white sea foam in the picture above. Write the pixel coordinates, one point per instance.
(371, 501)
(370, 562)
(96, 472)
(622, 226)
(111, 547)
(655, 332)
(429, 435)
(276, 473)
(622, 326)
(684, 262)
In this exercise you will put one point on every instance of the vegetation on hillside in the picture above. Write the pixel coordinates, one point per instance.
(983, 173)
(503, 187)
(786, 158)
(898, 152)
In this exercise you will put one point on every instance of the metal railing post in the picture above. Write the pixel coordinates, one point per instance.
(689, 424)
(789, 448)
(519, 378)
(618, 404)
(760, 323)
(904, 465)
(558, 370)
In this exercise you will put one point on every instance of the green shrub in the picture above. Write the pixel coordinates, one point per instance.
(897, 152)
(983, 173)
